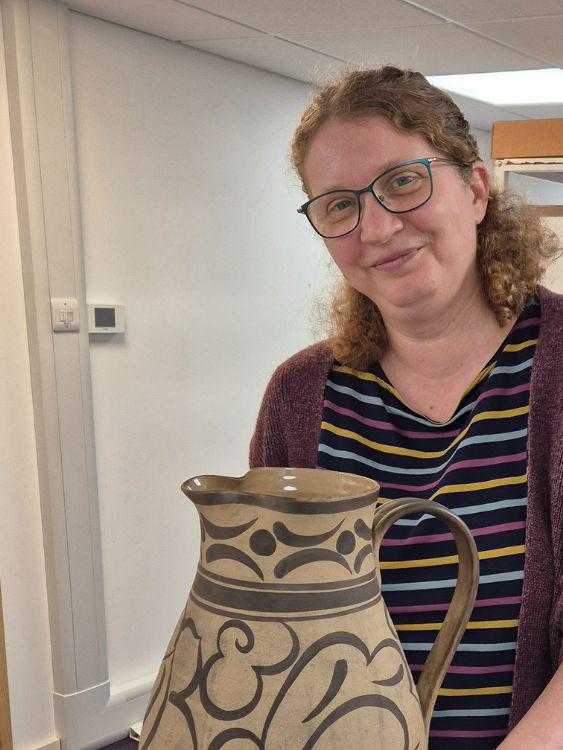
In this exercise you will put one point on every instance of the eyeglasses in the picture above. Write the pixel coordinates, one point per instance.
(399, 189)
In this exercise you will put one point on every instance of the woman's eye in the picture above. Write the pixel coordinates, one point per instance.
(406, 179)
(343, 204)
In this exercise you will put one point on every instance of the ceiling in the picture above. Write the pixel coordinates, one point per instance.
(307, 40)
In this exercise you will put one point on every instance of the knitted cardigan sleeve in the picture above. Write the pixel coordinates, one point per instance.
(289, 421)
(539, 647)
(268, 445)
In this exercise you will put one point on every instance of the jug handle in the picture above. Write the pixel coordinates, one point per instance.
(463, 599)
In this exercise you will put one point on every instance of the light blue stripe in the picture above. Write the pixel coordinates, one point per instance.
(514, 368)
(478, 440)
(516, 575)
(462, 646)
(468, 510)
(427, 422)
(473, 712)
(376, 401)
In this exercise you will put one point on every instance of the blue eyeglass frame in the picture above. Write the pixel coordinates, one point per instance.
(426, 160)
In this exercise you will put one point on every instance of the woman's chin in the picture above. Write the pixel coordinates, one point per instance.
(409, 295)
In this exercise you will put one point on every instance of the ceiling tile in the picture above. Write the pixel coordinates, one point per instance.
(489, 10)
(166, 18)
(294, 16)
(275, 55)
(542, 37)
(433, 50)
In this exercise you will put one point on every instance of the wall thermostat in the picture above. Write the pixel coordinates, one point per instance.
(106, 319)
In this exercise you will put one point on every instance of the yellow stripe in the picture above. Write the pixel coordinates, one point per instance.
(477, 379)
(367, 376)
(519, 347)
(506, 414)
(450, 559)
(469, 487)
(476, 691)
(477, 625)
(361, 375)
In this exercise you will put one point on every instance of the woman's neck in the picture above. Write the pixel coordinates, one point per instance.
(443, 343)
(431, 365)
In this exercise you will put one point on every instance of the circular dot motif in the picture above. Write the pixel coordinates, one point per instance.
(346, 543)
(263, 543)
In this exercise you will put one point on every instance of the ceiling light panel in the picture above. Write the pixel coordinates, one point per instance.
(507, 87)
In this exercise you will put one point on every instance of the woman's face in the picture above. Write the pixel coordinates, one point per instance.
(416, 262)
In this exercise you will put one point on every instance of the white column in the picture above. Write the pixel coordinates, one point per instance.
(41, 119)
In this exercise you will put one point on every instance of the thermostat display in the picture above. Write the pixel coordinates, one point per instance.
(106, 319)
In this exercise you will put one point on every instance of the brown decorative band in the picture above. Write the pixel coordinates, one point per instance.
(281, 600)
(348, 583)
(283, 504)
(279, 617)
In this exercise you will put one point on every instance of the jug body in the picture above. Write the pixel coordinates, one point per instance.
(285, 641)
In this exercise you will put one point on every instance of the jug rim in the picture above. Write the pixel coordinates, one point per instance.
(278, 486)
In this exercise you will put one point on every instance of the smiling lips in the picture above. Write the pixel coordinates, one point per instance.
(397, 259)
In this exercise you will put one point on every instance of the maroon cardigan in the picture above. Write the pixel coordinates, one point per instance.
(287, 434)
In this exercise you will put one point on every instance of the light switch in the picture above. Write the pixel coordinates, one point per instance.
(64, 314)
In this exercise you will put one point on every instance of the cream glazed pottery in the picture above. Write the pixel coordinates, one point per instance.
(285, 642)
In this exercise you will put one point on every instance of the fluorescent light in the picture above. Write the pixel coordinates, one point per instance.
(510, 87)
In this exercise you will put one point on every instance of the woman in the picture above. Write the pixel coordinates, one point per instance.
(441, 380)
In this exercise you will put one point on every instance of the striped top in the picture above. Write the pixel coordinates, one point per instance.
(476, 465)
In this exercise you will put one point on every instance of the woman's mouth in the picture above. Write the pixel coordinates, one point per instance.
(396, 260)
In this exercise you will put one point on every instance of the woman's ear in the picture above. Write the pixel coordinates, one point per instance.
(479, 184)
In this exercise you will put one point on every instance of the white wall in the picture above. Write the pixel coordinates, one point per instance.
(218, 288)
(554, 274)
(537, 190)
(550, 193)
(22, 565)
(483, 138)
(189, 221)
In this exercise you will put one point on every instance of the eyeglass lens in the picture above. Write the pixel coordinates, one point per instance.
(400, 189)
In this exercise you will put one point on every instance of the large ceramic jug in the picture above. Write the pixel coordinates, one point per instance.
(285, 642)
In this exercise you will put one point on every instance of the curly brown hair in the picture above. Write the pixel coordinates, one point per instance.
(513, 246)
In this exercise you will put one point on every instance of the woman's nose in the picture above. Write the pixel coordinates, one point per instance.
(377, 225)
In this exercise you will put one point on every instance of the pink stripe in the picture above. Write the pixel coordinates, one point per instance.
(443, 607)
(429, 538)
(379, 424)
(459, 733)
(386, 425)
(470, 670)
(503, 391)
(527, 323)
(467, 464)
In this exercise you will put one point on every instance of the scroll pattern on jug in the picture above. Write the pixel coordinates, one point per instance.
(236, 638)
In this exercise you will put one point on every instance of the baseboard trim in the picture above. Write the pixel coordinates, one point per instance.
(98, 716)
(52, 745)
